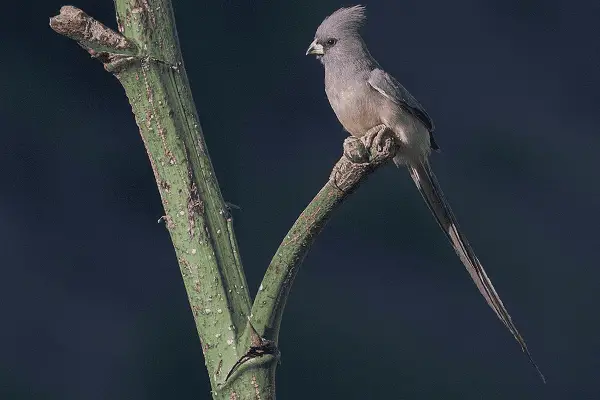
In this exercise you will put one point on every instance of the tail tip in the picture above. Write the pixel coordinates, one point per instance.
(539, 371)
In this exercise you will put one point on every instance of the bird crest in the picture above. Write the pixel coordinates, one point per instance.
(347, 20)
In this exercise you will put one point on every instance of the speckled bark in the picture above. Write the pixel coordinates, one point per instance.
(240, 352)
(267, 310)
(146, 59)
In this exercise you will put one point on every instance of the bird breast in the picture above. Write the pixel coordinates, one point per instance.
(352, 107)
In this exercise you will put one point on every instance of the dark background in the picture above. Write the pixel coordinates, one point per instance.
(91, 299)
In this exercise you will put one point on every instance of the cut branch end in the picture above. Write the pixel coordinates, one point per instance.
(91, 34)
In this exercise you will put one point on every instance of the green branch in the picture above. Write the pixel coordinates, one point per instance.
(196, 216)
(239, 344)
(347, 175)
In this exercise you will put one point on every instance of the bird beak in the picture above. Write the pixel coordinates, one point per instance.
(315, 48)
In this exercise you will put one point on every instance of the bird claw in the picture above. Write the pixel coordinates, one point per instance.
(370, 146)
(375, 136)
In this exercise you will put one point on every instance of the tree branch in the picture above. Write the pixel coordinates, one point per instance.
(145, 57)
(346, 176)
(91, 34)
(240, 351)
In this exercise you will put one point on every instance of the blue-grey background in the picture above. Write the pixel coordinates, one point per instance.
(91, 301)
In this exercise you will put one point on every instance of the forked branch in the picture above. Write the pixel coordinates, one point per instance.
(239, 344)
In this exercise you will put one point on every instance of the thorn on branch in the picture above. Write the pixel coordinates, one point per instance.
(232, 206)
(259, 347)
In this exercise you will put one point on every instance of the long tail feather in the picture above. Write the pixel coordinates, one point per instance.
(427, 184)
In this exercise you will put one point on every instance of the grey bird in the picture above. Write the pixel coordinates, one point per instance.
(367, 101)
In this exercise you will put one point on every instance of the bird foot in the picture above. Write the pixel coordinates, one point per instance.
(376, 136)
(376, 141)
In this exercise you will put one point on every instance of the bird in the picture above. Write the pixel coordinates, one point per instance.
(367, 102)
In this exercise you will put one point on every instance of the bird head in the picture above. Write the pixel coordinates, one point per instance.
(338, 32)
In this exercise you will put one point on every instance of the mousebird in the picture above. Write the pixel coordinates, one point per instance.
(364, 97)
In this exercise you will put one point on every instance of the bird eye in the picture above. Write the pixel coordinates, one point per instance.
(331, 42)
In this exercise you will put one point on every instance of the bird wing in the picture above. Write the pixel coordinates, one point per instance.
(391, 89)
(427, 184)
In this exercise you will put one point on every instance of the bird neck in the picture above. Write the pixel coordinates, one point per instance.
(355, 58)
